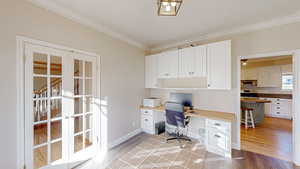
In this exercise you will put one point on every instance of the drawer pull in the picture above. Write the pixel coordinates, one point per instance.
(146, 119)
(278, 112)
(146, 111)
(217, 124)
(217, 136)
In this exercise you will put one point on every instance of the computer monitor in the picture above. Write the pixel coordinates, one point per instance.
(183, 98)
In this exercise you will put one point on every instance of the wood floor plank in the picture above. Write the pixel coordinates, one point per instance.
(273, 138)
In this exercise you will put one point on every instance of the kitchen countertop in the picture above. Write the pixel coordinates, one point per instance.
(201, 113)
(254, 100)
(269, 95)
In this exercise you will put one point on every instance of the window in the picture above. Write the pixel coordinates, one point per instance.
(287, 81)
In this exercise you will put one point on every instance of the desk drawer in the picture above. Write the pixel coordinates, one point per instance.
(218, 125)
(147, 112)
(147, 124)
(218, 142)
(147, 121)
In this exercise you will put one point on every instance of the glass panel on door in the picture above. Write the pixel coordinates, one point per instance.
(47, 109)
(83, 96)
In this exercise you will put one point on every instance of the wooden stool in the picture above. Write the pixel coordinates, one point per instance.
(248, 114)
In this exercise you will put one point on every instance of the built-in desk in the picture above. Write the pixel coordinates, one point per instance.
(200, 113)
(217, 126)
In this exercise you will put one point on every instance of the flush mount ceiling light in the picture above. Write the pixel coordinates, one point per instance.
(244, 62)
(168, 7)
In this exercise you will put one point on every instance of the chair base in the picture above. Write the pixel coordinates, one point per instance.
(179, 138)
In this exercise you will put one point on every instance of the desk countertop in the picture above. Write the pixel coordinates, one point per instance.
(201, 113)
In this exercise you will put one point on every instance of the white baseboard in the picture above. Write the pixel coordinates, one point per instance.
(236, 146)
(124, 138)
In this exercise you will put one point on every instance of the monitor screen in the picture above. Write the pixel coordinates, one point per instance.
(183, 98)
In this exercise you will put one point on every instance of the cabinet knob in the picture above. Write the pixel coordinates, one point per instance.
(208, 85)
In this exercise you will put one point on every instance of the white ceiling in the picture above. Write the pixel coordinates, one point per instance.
(137, 20)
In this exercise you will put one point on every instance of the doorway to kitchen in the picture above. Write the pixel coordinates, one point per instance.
(268, 85)
(61, 120)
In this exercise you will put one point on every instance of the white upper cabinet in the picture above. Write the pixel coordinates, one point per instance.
(219, 65)
(186, 62)
(207, 65)
(269, 76)
(201, 61)
(168, 65)
(151, 71)
(192, 62)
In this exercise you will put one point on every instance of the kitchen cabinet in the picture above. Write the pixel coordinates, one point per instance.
(151, 71)
(281, 108)
(192, 62)
(219, 65)
(249, 74)
(269, 76)
(168, 65)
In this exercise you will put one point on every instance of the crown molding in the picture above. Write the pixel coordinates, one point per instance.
(243, 29)
(51, 6)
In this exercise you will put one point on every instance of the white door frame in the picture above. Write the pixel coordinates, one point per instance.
(296, 97)
(20, 104)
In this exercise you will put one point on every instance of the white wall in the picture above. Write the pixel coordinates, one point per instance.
(122, 78)
(279, 38)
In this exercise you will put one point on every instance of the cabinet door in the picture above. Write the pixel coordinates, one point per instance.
(151, 71)
(172, 64)
(200, 61)
(187, 62)
(269, 76)
(219, 65)
(250, 74)
(267, 107)
(163, 67)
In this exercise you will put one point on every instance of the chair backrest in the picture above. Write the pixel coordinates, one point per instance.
(175, 114)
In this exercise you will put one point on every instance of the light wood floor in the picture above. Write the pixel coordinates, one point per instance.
(151, 152)
(271, 138)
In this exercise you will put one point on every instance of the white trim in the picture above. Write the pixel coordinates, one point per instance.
(296, 108)
(296, 96)
(52, 6)
(243, 29)
(20, 73)
(271, 54)
(236, 146)
(238, 101)
(20, 103)
(124, 138)
(23, 40)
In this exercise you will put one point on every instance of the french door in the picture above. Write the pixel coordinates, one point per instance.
(61, 126)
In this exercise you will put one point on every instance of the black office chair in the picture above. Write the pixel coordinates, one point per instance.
(176, 120)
